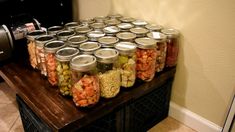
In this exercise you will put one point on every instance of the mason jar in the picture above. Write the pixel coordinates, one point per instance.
(115, 16)
(125, 27)
(172, 46)
(139, 23)
(54, 30)
(85, 83)
(126, 63)
(63, 57)
(108, 41)
(154, 28)
(109, 76)
(95, 35)
(112, 22)
(40, 41)
(126, 36)
(87, 21)
(64, 35)
(89, 47)
(76, 40)
(111, 30)
(50, 49)
(98, 26)
(82, 29)
(146, 58)
(32, 46)
(100, 19)
(139, 31)
(127, 19)
(161, 49)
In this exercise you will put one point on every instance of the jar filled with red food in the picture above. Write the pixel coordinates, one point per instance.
(50, 50)
(172, 46)
(40, 41)
(63, 57)
(85, 83)
(146, 58)
(161, 49)
(32, 46)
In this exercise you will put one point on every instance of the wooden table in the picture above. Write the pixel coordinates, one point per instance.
(57, 113)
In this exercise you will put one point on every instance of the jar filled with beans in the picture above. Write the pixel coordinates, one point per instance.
(146, 58)
(89, 47)
(50, 50)
(40, 55)
(54, 30)
(161, 49)
(109, 76)
(85, 83)
(32, 46)
(172, 46)
(63, 57)
(76, 40)
(108, 41)
(126, 63)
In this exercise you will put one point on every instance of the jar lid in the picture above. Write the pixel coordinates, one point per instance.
(125, 47)
(126, 35)
(153, 27)
(53, 46)
(63, 35)
(112, 21)
(106, 55)
(87, 21)
(54, 29)
(83, 29)
(66, 53)
(115, 16)
(95, 34)
(83, 63)
(127, 19)
(71, 25)
(100, 18)
(32, 35)
(89, 46)
(146, 43)
(74, 41)
(157, 36)
(125, 25)
(97, 25)
(139, 30)
(41, 40)
(139, 22)
(170, 32)
(108, 41)
(111, 29)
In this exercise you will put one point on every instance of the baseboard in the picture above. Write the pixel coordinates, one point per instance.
(192, 120)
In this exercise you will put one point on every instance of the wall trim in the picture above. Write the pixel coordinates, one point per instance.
(192, 120)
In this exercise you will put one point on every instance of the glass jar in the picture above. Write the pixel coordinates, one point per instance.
(63, 57)
(87, 21)
(139, 31)
(89, 47)
(71, 25)
(161, 49)
(100, 19)
(98, 26)
(111, 30)
(95, 35)
(115, 16)
(40, 56)
(64, 35)
(108, 41)
(109, 77)
(82, 29)
(76, 40)
(54, 30)
(125, 27)
(172, 46)
(154, 28)
(127, 19)
(85, 83)
(126, 36)
(146, 58)
(126, 63)
(112, 22)
(32, 46)
(50, 49)
(139, 23)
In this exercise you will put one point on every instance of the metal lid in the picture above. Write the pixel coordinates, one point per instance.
(139, 22)
(170, 32)
(83, 29)
(108, 41)
(115, 16)
(95, 34)
(55, 29)
(112, 21)
(111, 29)
(87, 21)
(71, 25)
(89, 46)
(126, 35)
(83, 63)
(106, 55)
(157, 36)
(64, 35)
(100, 18)
(66, 53)
(53, 46)
(74, 41)
(125, 47)
(153, 27)
(32, 35)
(139, 30)
(98, 25)
(41, 40)
(125, 26)
(146, 43)
(127, 19)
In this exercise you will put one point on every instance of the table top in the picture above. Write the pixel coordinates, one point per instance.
(60, 113)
